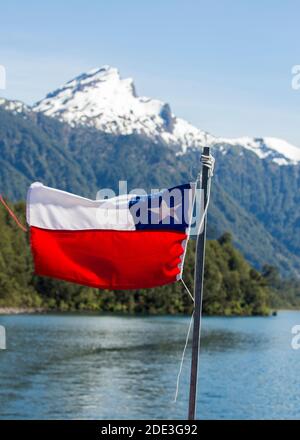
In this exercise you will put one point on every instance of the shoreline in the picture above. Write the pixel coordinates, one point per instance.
(21, 310)
(41, 310)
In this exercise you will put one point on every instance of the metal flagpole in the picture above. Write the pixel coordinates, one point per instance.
(198, 292)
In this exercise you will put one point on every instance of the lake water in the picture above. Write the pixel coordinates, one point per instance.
(111, 367)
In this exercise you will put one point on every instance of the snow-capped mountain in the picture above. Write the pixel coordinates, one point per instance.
(14, 106)
(103, 100)
(277, 150)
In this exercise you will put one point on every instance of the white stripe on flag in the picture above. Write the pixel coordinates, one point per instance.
(49, 208)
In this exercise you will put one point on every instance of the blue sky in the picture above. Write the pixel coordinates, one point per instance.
(223, 65)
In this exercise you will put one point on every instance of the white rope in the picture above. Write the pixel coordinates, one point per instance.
(182, 358)
(187, 289)
(206, 207)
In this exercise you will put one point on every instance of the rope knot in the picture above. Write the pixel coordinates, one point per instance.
(209, 162)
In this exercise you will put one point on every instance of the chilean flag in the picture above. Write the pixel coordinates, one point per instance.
(125, 242)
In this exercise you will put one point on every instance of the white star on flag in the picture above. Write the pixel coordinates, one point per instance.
(165, 211)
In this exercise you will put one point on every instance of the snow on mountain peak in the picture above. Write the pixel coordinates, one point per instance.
(277, 150)
(289, 151)
(102, 99)
(14, 106)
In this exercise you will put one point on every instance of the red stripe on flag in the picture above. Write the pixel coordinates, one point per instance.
(108, 259)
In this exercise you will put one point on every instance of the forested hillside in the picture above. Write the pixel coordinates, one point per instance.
(254, 199)
(232, 286)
